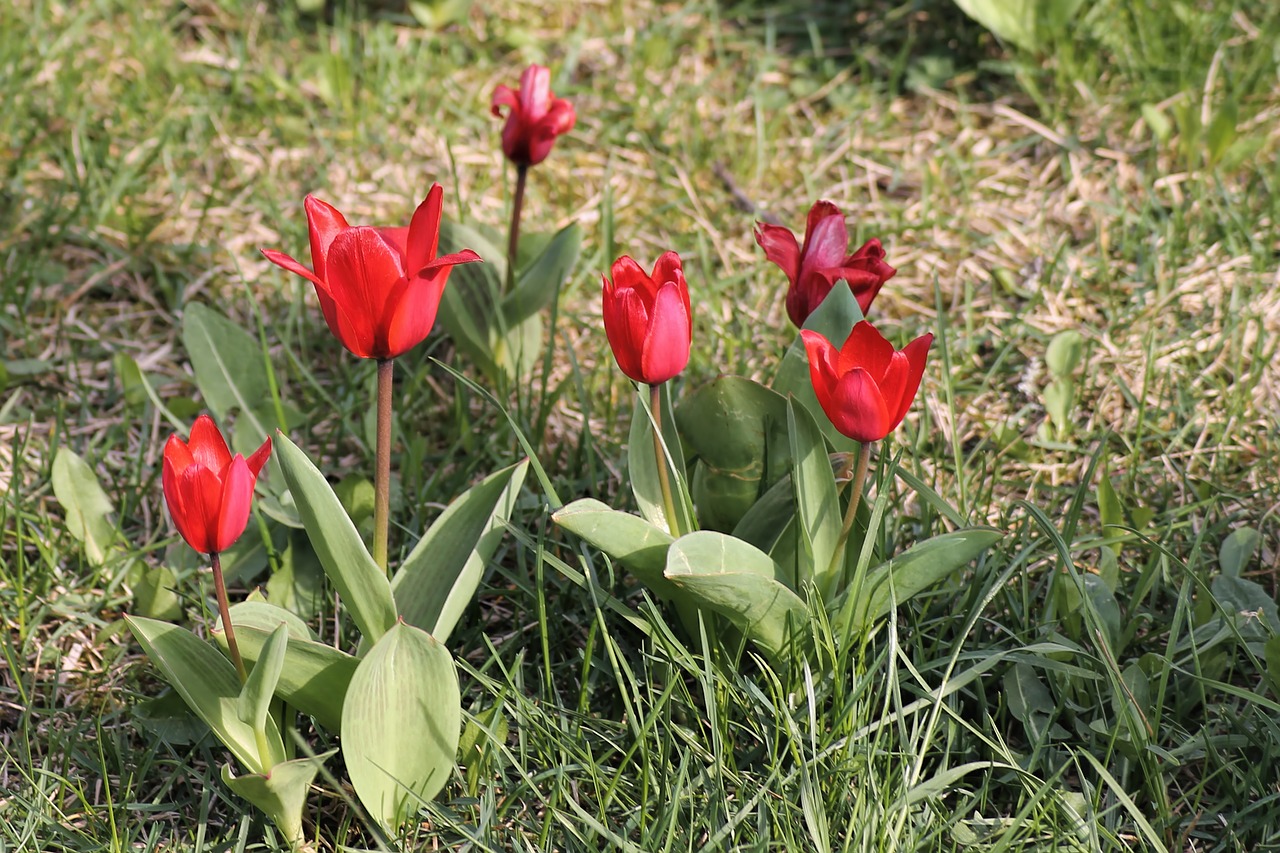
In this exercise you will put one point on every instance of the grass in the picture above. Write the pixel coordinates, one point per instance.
(1052, 697)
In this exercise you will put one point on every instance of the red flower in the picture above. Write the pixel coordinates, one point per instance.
(535, 119)
(647, 318)
(379, 289)
(865, 387)
(815, 268)
(208, 491)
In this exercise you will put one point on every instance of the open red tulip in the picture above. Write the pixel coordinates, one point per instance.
(535, 117)
(814, 268)
(379, 288)
(207, 490)
(647, 318)
(865, 386)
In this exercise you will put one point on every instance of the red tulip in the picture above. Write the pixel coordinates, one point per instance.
(647, 318)
(536, 117)
(815, 268)
(865, 387)
(208, 491)
(379, 289)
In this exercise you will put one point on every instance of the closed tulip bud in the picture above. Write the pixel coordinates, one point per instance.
(647, 318)
(535, 117)
(207, 490)
(865, 386)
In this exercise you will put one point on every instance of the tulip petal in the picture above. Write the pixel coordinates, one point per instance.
(629, 275)
(364, 269)
(177, 455)
(666, 344)
(866, 348)
(913, 358)
(324, 223)
(237, 495)
(280, 259)
(207, 446)
(503, 96)
(864, 285)
(780, 246)
(259, 458)
(858, 408)
(535, 93)
(201, 491)
(823, 360)
(825, 239)
(398, 237)
(668, 269)
(625, 323)
(424, 232)
(560, 118)
(466, 256)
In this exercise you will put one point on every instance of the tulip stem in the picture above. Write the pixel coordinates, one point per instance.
(664, 479)
(224, 610)
(382, 465)
(855, 497)
(513, 238)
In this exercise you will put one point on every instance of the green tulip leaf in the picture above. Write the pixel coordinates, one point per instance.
(439, 577)
(516, 348)
(642, 463)
(1237, 550)
(298, 584)
(817, 501)
(87, 507)
(154, 594)
(628, 539)
(734, 432)
(910, 573)
(401, 723)
(260, 687)
(208, 683)
(281, 793)
(834, 318)
(739, 581)
(539, 282)
(231, 374)
(467, 308)
(364, 587)
(314, 677)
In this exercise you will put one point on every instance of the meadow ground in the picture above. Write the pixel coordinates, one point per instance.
(1120, 182)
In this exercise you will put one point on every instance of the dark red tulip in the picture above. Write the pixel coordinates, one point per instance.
(814, 268)
(865, 386)
(535, 117)
(379, 288)
(647, 318)
(209, 491)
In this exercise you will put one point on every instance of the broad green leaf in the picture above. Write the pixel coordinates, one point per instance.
(315, 676)
(1110, 512)
(208, 683)
(1250, 603)
(516, 348)
(439, 577)
(154, 594)
(401, 723)
(913, 571)
(470, 300)
(539, 282)
(1059, 398)
(734, 432)
(769, 517)
(1064, 352)
(835, 319)
(1013, 21)
(298, 583)
(642, 464)
(87, 507)
(364, 588)
(1029, 700)
(260, 687)
(628, 539)
(132, 380)
(1237, 550)
(281, 794)
(230, 373)
(739, 581)
(817, 501)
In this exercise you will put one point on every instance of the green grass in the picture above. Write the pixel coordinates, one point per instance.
(148, 150)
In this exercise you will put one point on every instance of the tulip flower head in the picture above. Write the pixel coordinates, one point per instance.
(647, 318)
(209, 491)
(814, 268)
(535, 117)
(865, 386)
(379, 289)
